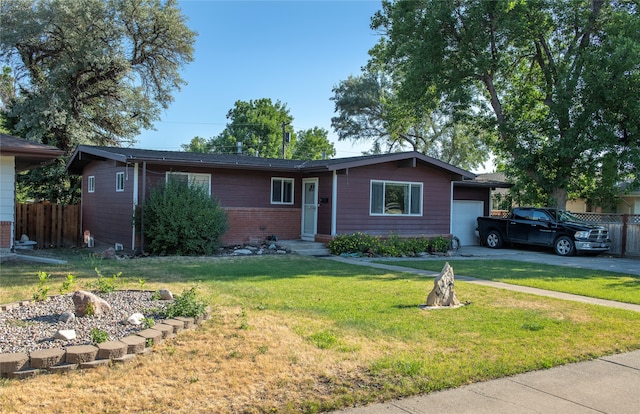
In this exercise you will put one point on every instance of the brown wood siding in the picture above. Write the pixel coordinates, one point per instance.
(353, 201)
(233, 188)
(473, 194)
(106, 213)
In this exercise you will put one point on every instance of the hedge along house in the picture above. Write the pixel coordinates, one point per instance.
(16, 155)
(408, 194)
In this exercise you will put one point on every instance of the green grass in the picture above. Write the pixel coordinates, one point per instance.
(592, 283)
(373, 316)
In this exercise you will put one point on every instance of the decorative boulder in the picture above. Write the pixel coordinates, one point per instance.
(86, 303)
(67, 317)
(443, 293)
(165, 294)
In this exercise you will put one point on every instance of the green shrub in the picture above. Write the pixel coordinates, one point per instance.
(183, 219)
(393, 246)
(186, 304)
(99, 336)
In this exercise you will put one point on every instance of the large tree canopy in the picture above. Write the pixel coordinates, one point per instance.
(556, 80)
(257, 126)
(369, 110)
(91, 71)
(313, 144)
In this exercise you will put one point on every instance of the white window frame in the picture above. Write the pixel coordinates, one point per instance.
(91, 184)
(402, 183)
(192, 178)
(120, 181)
(282, 180)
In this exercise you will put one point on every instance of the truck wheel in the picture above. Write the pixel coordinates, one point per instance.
(564, 246)
(494, 240)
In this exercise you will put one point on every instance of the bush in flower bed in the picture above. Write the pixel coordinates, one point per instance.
(392, 246)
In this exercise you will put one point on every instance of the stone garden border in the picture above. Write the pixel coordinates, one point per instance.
(22, 365)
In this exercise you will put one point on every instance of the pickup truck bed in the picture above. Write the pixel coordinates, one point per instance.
(544, 227)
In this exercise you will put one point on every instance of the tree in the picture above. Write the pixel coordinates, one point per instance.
(258, 126)
(369, 110)
(556, 81)
(313, 144)
(92, 71)
(197, 144)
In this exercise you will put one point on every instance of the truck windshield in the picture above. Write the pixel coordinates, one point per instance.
(566, 216)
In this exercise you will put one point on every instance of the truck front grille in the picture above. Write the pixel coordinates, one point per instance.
(599, 235)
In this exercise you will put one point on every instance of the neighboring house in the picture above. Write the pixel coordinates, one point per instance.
(629, 203)
(408, 194)
(16, 154)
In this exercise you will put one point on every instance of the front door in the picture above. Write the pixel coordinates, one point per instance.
(309, 208)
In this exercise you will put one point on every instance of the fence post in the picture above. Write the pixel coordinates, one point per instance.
(625, 221)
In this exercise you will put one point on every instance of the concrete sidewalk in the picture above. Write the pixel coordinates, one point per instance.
(605, 385)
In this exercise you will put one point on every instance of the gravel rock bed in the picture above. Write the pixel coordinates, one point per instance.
(33, 326)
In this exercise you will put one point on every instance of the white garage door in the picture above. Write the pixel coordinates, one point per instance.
(463, 221)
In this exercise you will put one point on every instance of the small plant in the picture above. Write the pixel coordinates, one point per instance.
(99, 336)
(156, 296)
(42, 289)
(107, 284)
(187, 304)
(148, 322)
(67, 284)
(141, 283)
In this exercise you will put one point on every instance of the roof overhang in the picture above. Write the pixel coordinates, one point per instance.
(27, 154)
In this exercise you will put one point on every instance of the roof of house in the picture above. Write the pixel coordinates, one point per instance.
(28, 154)
(85, 154)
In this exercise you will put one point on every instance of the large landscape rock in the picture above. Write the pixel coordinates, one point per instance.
(86, 303)
(443, 293)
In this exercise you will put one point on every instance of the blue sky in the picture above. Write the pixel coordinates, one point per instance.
(291, 51)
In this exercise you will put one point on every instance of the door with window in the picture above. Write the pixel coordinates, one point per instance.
(309, 208)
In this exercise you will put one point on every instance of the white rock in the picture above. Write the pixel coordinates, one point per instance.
(65, 334)
(242, 252)
(135, 319)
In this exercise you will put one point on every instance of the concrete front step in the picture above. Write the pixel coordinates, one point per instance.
(305, 248)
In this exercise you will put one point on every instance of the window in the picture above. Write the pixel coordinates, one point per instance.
(201, 180)
(282, 190)
(91, 184)
(120, 181)
(393, 198)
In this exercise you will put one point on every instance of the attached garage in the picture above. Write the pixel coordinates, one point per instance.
(471, 199)
(463, 220)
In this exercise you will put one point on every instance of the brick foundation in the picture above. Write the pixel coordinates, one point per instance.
(5, 234)
(247, 225)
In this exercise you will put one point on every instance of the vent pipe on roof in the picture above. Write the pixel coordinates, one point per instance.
(239, 145)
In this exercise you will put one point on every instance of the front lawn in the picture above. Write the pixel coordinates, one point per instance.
(586, 282)
(297, 334)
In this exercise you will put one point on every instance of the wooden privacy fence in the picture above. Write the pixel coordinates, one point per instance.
(50, 225)
(624, 231)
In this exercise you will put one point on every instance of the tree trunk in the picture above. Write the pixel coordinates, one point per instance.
(558, 198)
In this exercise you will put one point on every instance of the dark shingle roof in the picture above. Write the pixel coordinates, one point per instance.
(28, 154)
(84, 154)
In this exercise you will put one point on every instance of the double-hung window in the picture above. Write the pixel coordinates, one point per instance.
(91, 184)
(395, 198)
(120, 181)
(193, 179)
(281, 190)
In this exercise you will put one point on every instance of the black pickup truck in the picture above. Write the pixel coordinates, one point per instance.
(544, 227)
